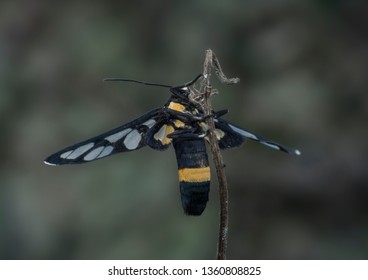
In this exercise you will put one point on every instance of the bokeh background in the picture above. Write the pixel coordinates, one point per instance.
(303, 67)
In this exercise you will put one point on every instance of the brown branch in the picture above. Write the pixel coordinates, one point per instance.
(211, 63)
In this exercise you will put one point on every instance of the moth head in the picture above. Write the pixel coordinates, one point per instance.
(183, 91)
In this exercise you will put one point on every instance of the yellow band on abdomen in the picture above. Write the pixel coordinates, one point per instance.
(201, 174)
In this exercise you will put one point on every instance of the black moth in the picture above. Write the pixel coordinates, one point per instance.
(180, 122)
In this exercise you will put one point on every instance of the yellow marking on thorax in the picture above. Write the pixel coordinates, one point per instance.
(176, 106)
(201, 174)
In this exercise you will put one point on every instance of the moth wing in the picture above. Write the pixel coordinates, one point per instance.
(157, 136)
(233, 136)
(125, 138)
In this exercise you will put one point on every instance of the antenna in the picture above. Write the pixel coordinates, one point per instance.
(188, 83)
(135, 81)
(152, 84)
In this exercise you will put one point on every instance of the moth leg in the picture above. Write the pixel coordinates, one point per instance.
(191, 133)
(186, 117)
(215, 114)
(220, 113)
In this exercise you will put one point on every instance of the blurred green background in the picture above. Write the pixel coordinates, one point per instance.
(303, 67)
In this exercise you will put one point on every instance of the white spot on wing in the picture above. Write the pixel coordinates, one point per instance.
(243, 132)
(79, 151)
(106, 151)
(297, 152)
(49, 163)
(149, 123)
(204, 126)
(93, 154)
(273, 146)
(160, 135)
(117, 136)
(219, 134)
(65, 155)
(132, 140)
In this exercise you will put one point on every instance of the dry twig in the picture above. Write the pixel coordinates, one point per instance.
(211, 63)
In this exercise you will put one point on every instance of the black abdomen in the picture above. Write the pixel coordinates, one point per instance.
(194, 174)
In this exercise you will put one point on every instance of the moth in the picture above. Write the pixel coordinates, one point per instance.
(180, 122)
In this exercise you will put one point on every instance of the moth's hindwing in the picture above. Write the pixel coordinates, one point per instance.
(157, 136)
(128, 137)
(227, 137)
(235, 136)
